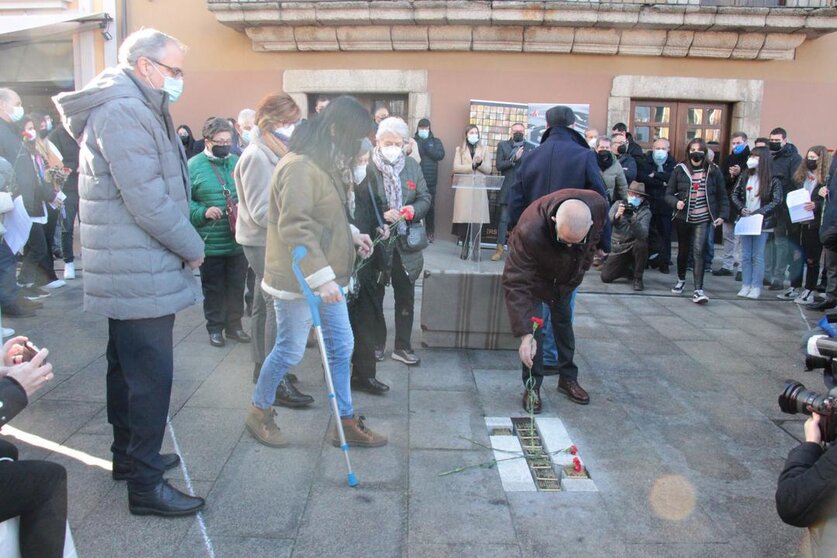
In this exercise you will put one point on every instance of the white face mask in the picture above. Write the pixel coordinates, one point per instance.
(17, 113)
(30, 135)
(752, 163)
(245, 136)
(359, 173)
(286, 131)
(391, 153)
(473, 139)
(592, 143)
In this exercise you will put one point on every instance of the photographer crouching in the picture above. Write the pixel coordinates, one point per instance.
(629, 240)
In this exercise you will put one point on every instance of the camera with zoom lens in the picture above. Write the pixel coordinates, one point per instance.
(628, 209)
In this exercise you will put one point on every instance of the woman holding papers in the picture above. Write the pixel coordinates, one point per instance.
(756, 194)
(811, 176)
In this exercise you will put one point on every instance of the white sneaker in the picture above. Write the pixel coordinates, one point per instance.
(790, 294)
(754, 293)
(743, 292)
(8, 332)
(69, 270)
(805, 297)
(699, 297)
(58, 283)
(678, 287)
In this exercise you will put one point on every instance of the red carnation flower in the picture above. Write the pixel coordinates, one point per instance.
(411, 185)
(573, 450)
(537, 321)
(408, 213)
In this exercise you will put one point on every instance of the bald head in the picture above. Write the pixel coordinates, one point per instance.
(572, 221)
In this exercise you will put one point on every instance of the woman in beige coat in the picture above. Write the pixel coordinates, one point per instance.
(470, 205)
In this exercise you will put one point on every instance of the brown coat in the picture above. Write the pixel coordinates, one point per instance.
(538, 268)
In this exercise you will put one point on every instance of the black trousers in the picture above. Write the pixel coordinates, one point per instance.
(140, 358)
(430, 217)
(561, 318)
(630, 264)
(405, 299)
(38, 266)
(37, 492)
(694, 236)
(222, 280)
(366, 314)
(263, 320)
(659, 234)
(805, 251)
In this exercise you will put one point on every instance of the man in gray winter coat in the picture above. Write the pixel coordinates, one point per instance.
(139, 250)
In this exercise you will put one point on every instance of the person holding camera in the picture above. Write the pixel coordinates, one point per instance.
(805, 495)
(34, 490)
(629, 241)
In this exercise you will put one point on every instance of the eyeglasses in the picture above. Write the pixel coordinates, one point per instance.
(579, 244)
(177, 72)
(220, 142)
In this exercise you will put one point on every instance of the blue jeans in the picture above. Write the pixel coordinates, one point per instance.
(550, 351)
(752, 260)
(293, 322)
(503, 225)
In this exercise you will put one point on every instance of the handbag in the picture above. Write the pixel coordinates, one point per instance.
(416, 238)
(231, 205)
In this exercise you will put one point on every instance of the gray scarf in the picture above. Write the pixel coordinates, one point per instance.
(392, 182)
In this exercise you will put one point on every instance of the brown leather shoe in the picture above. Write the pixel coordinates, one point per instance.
(260, 424)
(357, 434)
(574, 391)
(538, 404)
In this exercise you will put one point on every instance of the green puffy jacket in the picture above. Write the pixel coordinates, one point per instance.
(207, 192)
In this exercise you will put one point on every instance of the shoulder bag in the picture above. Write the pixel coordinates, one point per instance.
(232, 205)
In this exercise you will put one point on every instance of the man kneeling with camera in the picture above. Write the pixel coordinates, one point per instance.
(629, 239)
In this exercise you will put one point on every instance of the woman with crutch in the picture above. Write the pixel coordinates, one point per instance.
(310, 207)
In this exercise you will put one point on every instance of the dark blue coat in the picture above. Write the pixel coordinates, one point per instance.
(829, 211)
(563, 160)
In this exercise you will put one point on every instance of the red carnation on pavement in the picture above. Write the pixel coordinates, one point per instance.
(411, 185)
(408, 213)
(576, 464)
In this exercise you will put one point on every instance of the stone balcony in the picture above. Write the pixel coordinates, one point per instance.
(677, 28)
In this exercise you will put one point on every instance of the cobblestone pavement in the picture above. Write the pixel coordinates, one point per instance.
(683, 437)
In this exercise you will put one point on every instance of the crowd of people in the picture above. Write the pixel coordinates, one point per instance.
(356, 190)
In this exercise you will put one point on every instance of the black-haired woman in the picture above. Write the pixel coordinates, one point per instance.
(191, 146)
(697, 193)
(756, 193)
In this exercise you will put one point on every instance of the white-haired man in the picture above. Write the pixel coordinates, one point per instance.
(139, 250)
(243, 126)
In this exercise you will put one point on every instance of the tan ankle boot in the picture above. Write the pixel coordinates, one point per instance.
(498, 253)
(260, 424)
(357, 435)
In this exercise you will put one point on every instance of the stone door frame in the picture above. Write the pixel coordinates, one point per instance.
(300, 83)
(745, 95)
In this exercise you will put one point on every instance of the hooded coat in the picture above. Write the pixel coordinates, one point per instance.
(134, 199)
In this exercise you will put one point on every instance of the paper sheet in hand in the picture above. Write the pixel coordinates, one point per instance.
(795, 200)
(749, 226)
(17, 223)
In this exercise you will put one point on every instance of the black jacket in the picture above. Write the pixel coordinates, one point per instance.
(829, 208)
(27, 183)
(732, 160)
(656, 185)
(431, 151)
(12, 399)
(69, 149)
(739, 200)
(629, 167)
(806, 495)
(784, 165)
(508, 167)
(716, 194)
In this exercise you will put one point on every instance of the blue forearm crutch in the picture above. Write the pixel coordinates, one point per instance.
(314, 302)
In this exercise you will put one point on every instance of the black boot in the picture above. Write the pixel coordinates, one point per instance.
(257, 369)
(163, 500)
(288, 396)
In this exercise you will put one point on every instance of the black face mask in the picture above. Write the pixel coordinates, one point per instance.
(622, 149)
(43, 133)
(517, 138)
(811, 165)
(604, 160)
(697, 156)
(220, 151)
(774, 145)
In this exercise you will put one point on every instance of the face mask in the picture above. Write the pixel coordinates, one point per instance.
(752, 163)
(49, 125)
(220, 151)
(174, 88)
(391, 153)
(17, 113)
(518, 137)
(774, 145)
(30, 135)
(811, 164)
(43, 133)
(604, 159)
(592, 143)
(660, 156)
(634, 201)
(697, 156)
(424, 134)
(184, 139)
(285, 132)
(739, 149)
(245, 137)
(622, 149)
(359, 173)
(473, 139)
